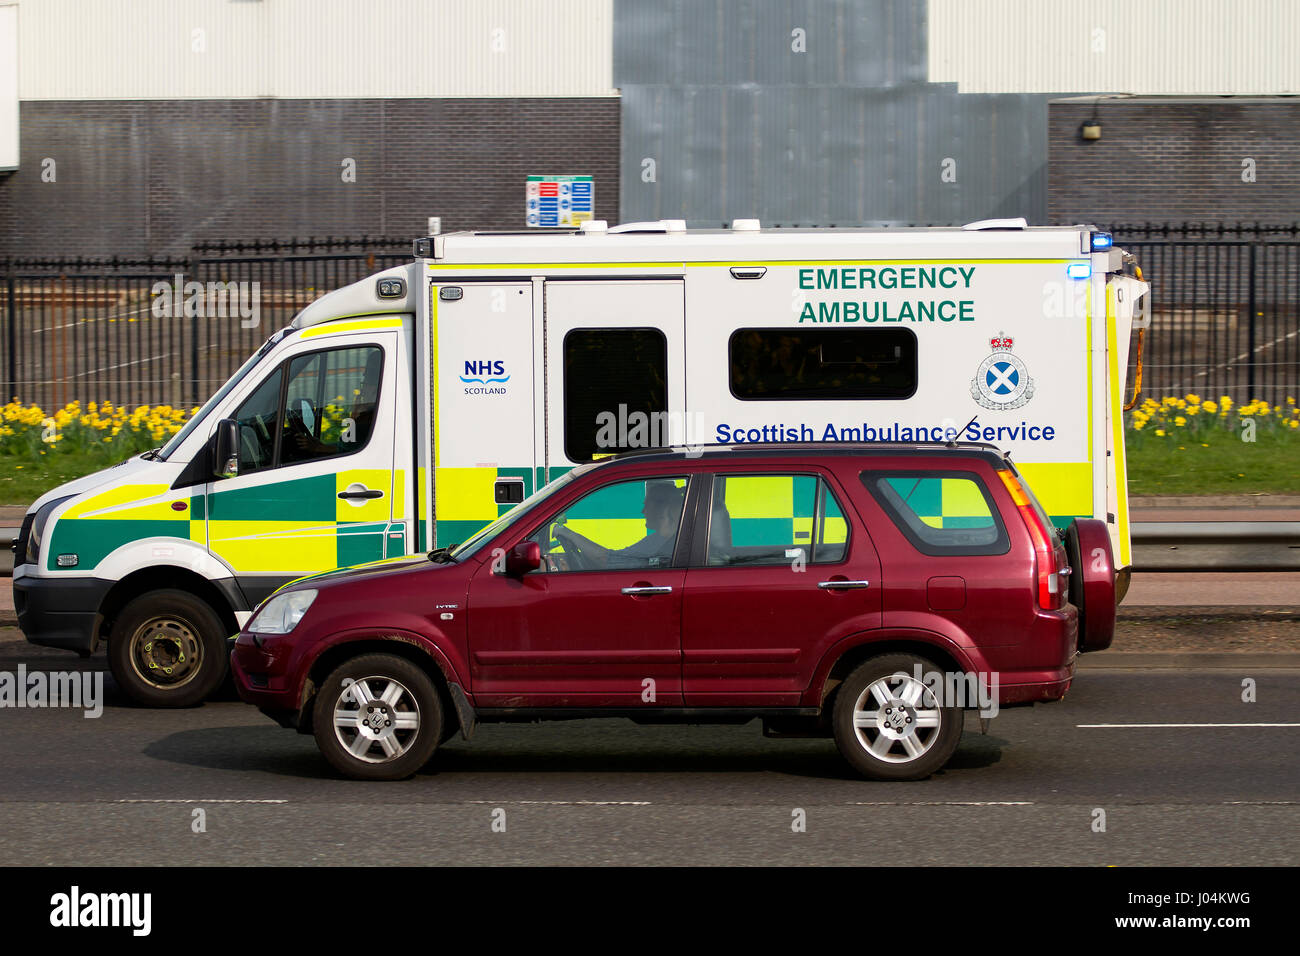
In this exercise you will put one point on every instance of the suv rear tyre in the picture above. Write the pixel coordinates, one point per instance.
(891, 726)
(168, 649)
(377, 717)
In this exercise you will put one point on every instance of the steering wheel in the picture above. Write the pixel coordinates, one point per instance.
(572, 550)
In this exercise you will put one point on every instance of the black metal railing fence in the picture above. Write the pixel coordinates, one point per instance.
(1225, 309)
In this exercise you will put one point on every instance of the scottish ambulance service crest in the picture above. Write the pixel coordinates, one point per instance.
(1002, 381)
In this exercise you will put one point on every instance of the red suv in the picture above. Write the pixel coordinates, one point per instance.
(872, 593)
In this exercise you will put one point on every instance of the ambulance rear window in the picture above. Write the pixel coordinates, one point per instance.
(803, 364)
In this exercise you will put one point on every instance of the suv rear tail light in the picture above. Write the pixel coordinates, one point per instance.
(1051, 589)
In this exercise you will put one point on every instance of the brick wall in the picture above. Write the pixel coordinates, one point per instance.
(1175, 161)
(151, 177)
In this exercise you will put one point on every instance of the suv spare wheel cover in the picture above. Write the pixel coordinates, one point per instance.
(1092, 582)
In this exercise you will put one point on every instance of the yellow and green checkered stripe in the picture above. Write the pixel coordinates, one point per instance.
(465, 499)
(100, 524)
(301, 526)
(288, 527)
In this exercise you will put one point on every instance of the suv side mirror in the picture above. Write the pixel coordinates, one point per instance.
(225, 462)
(524, 557)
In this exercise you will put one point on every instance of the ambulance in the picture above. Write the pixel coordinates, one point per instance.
(404, 412)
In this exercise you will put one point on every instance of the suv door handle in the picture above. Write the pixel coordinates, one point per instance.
(366, 493)
(648, 590)
(842, 585)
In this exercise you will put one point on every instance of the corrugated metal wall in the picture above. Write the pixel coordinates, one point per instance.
(733, 120)
(223, 49)
(1122, 46)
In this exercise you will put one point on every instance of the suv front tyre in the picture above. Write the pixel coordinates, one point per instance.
(377, 717)
(889, 725)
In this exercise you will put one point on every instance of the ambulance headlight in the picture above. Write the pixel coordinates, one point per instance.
(37, 532)
(282, 613)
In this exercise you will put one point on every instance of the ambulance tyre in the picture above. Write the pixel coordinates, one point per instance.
(168, 649)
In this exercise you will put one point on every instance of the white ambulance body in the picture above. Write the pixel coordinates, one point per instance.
(1014, 336)
(407, 410)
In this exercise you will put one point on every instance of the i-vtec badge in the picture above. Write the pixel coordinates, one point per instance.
(485, 377)
(1002, 381)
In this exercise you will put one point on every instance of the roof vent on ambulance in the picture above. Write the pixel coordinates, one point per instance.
(662, 225)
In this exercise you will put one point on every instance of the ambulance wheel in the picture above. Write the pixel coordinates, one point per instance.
(168, 649)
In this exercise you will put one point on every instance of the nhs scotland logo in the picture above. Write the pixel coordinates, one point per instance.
(485, 377)
(1002, 381)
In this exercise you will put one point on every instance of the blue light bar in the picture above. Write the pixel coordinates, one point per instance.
(1101, 241)
(1079, 270)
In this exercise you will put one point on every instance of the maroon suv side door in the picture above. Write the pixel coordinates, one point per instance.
(753, 634)
(597, 638)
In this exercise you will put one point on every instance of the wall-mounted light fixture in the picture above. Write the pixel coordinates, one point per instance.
(1091, 128)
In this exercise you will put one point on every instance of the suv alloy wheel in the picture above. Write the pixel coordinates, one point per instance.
(891, 726)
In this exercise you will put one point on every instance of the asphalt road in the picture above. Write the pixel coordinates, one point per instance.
(123, 789)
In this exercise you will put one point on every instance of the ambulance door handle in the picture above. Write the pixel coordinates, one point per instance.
(842, 585)
(647, 590)
(363, 493)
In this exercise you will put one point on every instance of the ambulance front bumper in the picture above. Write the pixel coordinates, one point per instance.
(61, 612)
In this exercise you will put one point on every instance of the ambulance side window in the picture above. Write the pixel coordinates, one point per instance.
(326, 409)
(804, 364)
(258, 423)
(330, 403)
(615, 391)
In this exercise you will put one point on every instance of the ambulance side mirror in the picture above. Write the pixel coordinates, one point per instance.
(225, 460)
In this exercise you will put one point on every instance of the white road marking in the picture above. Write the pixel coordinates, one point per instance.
(563, 803)
(1160, 726)
(942, 803)
(198, 801)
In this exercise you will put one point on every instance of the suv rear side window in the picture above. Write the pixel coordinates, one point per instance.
(948, 513)
(774, 519)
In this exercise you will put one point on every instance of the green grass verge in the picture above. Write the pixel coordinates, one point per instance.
(1221, 465)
